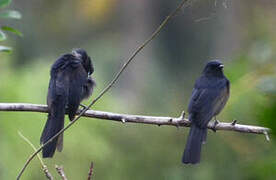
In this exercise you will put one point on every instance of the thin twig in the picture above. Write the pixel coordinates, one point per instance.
(44, 167)
(60, 171)
(90, 173)
(47, 173)
(112, 82)
(266, 136)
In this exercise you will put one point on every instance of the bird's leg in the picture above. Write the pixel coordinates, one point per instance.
(216, 122)
(66, 109)
(83, 106)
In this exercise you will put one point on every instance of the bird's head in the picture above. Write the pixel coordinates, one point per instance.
(213, 68)
(85, 60)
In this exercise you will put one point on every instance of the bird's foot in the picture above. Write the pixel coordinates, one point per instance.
(216, 122)
(234, 122)
(83, 106)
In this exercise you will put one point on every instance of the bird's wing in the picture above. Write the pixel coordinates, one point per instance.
(78, 78)
(70, 77)
(222, 98)
(56, 100)
(59, 96)
(201, 105)
(70, 73)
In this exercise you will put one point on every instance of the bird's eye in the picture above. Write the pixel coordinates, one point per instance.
(217, 66)
(214, 66)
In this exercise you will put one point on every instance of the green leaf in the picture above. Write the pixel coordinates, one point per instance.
(5, 49)
(10, 29)
(2, 36)
(4, 3)
(10, 14)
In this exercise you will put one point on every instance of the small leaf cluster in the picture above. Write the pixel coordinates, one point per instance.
(7, 14)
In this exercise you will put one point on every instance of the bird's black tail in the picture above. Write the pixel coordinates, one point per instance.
(193, 145)
(54, 124)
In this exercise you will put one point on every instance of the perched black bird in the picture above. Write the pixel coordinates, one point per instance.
(70, 83)
(209, 96)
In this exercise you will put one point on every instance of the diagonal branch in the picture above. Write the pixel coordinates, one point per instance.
(154, 120)
(44, 167)
(112, 82)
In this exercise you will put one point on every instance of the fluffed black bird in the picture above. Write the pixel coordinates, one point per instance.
(70, 83)
(210, 94)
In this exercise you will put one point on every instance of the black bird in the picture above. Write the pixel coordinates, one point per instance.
(210, 94)
(70, 83)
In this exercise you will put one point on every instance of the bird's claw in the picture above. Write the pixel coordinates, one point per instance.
(83, 106)
(216, 122)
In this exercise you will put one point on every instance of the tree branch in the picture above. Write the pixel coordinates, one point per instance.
(154, 120)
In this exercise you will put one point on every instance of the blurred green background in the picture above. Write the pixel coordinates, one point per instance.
(159, 82)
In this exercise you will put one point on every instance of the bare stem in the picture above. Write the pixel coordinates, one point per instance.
(60, 171)
(44, 167)
(90, 173)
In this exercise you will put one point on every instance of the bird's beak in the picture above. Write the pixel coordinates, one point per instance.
(221, 66)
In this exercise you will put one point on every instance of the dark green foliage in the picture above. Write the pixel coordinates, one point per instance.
(7, 14)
